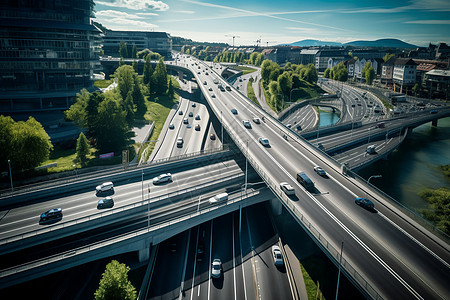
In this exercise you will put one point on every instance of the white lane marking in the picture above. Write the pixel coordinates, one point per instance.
(185, 266)
(210, 256)
(234, 258)
(195, 263)
(414, 239)
(360, 242)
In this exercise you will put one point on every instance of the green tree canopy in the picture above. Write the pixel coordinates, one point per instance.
(134, 52)
(326, 74)
(138, 99)
(111, 126)
(25, 144)
(125, 76)
(115, 284)
(340, 72)
(123, 51)
(388, 56)
(159, 78)
(285, 83)
(370, 75)
(82, 148)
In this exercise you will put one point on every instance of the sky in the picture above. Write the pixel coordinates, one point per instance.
(273, 22)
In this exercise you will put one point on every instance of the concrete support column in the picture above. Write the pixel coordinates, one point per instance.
(277, 207)
(434, 122)
(144, 254)
(180, 75)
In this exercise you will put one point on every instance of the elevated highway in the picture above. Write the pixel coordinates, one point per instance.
(387, 254)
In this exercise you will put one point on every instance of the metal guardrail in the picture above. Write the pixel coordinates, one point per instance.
(106, 169)
(58, 226)
(122, 237)
(314, 232)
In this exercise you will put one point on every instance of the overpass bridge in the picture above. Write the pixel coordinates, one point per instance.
(387, 251)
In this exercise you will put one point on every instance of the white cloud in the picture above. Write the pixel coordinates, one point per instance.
(147, 14)
(115, 14)
(136, 4)
(429, 22)
(127, 24)
(189, 12)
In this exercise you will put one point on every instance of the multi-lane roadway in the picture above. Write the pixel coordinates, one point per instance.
(394, 254)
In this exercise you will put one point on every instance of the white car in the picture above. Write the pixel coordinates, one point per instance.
(171, 126)
(216, 269)
(320, 171)
(264, 141)
(106, 186)
(247, 124)
(162, 178)
(277, 256)
(256, 120)
(287, 188)
(180, 142)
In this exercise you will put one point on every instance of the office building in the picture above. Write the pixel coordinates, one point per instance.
(48, 53)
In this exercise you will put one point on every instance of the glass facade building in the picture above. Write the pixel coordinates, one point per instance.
(48, 52)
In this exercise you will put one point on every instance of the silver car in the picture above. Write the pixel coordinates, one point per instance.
(162, 178)
(216, 269)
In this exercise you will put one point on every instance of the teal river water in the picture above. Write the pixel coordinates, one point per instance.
(414, 166)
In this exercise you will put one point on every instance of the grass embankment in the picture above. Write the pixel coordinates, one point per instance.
(103, 83)
(251, 93)
(439, 211)
(158, 109)
(311, 287)
(245, 70)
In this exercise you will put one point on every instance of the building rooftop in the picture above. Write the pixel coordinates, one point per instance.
(309, 51)
(443, 73)
(404, 61)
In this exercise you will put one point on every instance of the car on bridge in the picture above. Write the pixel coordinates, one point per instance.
(180, 142)
(234, 111)
(171, 126)
(52, 214)
(264, 141)
(287, 188)
(104, 187)
(163, 178)
(320, 171)
(365, 203)
(247, 124)
(256, 120)
(216, 269)
(107, 202)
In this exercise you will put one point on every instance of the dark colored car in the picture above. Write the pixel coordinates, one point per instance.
(52, 214)
(364, 202)
(105, 203)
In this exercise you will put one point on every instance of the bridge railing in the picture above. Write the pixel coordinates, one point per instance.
(126, 236)
(76, 175)
(320, 239)
(192, 190)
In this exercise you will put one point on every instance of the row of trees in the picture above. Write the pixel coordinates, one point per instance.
(280, 81)
(125, 51)
(338, 72)
(25, 144)
(108, 117)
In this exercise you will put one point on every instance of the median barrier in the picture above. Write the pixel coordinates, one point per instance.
(92, 180)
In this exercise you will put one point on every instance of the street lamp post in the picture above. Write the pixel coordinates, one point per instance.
(10, 175)
(373, 176)
(142, 184)
(148, 207)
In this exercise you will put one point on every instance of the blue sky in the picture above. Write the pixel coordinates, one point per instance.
(283, 21)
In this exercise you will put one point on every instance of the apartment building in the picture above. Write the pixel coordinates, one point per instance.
(404, 74)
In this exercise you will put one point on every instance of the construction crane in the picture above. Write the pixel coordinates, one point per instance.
(233, 36)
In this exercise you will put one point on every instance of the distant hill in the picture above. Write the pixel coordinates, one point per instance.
(386, 43)
(306, 43)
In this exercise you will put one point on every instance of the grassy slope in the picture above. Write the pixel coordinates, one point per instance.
(251, 93)
(245, 70)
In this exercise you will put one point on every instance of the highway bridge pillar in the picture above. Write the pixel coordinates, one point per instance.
(434, 122)
(180, 75)
(144, 254)
(277, 207)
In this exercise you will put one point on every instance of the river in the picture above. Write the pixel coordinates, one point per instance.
(414, 166)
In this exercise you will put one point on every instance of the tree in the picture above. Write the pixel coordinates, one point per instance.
(82, 148)
(77, 111)
(123, 50)
(274, 73)
(416, 89)
(388, 56)
(326, 74)
(340, 72)
(28, 145)
(134, 52)
(259, 59)
(370, 75)
(309, 73)
(266, 68)
(159, 78)
(170, 90)
(115, 284)
(148, 70)
(285, 83)
(125, 76)
(139, 99)
(111, 126)
(128, 107)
